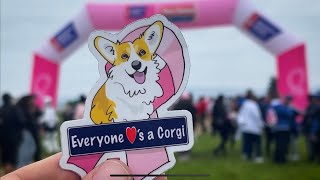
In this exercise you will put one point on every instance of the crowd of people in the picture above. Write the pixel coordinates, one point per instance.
(20, 140)
(26, 131)
(269, 122)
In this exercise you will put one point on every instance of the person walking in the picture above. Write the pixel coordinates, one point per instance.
(29, 146)
(186, 103)
(221, 124)
(201, 108)
(315, 130)
(232, 117)
(307, 123)
(9, 134)
(264, 104)
(49, 122)
(282, 119)
(251, 124)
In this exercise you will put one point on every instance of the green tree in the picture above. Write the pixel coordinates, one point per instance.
(272, 89)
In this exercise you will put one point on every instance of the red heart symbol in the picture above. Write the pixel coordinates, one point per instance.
(131, 134)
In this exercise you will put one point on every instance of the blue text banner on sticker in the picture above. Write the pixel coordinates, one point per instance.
(130, 135)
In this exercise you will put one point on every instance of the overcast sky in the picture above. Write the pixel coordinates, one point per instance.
(222, 59)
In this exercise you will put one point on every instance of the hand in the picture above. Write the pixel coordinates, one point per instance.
(49, 169)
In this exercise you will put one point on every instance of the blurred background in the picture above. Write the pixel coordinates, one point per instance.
(225, 64)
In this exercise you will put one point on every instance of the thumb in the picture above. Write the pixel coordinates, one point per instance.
(108, 168)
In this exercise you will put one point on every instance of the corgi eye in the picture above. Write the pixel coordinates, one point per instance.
(142, 52)
(124, 56)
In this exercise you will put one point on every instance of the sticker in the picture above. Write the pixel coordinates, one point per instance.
(137, 12)
(143, 70)
(184, 13)
(64, 37)
(261, 28)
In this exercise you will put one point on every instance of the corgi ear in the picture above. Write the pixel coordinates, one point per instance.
(106, 48)
(153, 35)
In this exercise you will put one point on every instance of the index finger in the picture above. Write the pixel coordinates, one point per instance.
(45, 169)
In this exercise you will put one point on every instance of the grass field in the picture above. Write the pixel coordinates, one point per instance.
(233, 167)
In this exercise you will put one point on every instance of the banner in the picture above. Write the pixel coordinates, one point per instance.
(292, 76)
(45, 78)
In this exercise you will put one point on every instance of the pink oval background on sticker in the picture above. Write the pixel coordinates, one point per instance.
(170, 51)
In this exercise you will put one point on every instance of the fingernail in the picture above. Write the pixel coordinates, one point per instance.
(111, 167)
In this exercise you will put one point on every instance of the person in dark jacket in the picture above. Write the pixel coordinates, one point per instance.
(186, 103)
(307, 125)
(264, 104)
(21, 128)
(29, 147)
(221, 124)
(315, 130)
(7, 142)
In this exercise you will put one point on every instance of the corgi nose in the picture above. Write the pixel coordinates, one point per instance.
(136, 65)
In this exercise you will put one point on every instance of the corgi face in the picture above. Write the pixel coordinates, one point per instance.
(134, 56)
(135, 68)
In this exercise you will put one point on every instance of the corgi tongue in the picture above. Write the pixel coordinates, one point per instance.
(139, 77)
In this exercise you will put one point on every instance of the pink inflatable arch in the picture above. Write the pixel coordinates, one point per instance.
(288, 49)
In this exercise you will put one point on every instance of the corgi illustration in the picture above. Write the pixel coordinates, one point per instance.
(131, 86)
